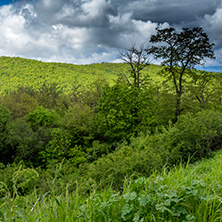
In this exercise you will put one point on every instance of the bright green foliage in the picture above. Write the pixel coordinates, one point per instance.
(77, 155)
(42, 117)
(68, 138)
(58, 147)
(123, 111)
(25, 180)
(61, 146)
(182, 194)
(17, 72)
(115, 167)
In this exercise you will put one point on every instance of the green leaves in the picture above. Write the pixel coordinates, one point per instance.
(123, 111)
(42, 117)
(130, 196)
(126, 210)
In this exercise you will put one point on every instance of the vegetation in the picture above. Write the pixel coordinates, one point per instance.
(181, 52)
(182, 194)
(109, 142)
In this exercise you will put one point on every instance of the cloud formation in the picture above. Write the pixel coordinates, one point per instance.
(89, 31)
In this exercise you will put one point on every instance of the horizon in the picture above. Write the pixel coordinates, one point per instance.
(216, 69)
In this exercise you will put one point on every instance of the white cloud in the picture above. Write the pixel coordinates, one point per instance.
(214, 21)
(85, 31)
(94, 8)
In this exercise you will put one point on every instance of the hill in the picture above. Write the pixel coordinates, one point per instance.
(16, 72)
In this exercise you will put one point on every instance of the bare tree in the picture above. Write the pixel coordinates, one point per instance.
(138, 59)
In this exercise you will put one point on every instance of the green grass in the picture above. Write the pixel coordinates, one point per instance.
(186, 193)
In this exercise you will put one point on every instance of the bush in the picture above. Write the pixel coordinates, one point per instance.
(122, 112)
(195, 136)
(112, 169)
(20, 103)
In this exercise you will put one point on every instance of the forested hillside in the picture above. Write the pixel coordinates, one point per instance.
(19, 72)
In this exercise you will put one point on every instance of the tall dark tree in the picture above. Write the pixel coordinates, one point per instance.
(180, 52)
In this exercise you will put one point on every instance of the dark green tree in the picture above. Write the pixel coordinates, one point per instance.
(180, 53)
(5, 150)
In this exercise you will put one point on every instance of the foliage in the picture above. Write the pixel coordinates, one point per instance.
(24, 142)
(5, 117)
(196, 136)
(103, 141)
(19, 72)
(123, 111)
(19, 102)
(182, 194)
(180, 52)
(113, 168)
(42, 117)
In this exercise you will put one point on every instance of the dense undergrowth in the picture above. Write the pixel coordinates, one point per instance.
(182, 194)
(104, 150)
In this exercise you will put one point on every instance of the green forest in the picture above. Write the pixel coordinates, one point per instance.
(113, 142)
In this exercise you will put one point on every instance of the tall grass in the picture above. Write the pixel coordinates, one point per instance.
(185, 193)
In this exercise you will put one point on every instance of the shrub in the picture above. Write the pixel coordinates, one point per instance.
(20, 103)
(195, 136)
(113, 168)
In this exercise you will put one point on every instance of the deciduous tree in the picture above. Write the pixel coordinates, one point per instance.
(180, 52)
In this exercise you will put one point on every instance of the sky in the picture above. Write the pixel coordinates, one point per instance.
(94, 31)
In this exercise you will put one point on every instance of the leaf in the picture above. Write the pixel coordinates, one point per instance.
(190, 217)
(143, 201)
(130, 196)
(57, 201)
(126, 210)
(137, 217)
(162, 208)
(1, 215)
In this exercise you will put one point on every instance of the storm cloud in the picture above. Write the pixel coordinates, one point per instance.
(89, 31)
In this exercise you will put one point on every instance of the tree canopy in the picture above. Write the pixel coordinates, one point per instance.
(180, 52)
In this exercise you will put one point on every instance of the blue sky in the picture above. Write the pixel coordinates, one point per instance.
(94, 31)
(6, 2)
